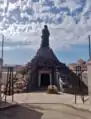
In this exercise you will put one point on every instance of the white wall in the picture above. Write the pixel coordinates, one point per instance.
(89, 80)
(4, 77)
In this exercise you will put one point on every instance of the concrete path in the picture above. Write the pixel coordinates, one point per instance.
(44, 111)
(44, 98)
(46, 106)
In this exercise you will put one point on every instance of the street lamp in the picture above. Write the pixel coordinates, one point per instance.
(1, 63)
(89, 47)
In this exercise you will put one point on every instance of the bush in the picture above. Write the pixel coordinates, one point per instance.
(22, 71)
(52, 89)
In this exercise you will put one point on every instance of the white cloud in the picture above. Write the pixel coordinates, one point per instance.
(87, 7)
(24, 20)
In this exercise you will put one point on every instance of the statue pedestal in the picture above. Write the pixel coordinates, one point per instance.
(89, 81)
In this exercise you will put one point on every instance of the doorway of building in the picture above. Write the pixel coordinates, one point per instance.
(45, 80)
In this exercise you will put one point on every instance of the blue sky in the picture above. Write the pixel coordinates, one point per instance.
(21, 22)
(22, 56)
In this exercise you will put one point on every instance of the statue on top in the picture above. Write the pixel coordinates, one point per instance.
(45, 37)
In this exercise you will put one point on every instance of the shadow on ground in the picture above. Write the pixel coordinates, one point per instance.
(20, 112)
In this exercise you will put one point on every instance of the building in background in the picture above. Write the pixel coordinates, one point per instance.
(83, 65)
(16, 68)
(80, 62)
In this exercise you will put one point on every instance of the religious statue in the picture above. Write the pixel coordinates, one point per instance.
(45, 37)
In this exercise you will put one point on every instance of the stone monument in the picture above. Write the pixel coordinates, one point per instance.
(44, 66)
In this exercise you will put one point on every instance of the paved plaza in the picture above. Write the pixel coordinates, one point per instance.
(44, 111)
(44, 98)
(46, 106)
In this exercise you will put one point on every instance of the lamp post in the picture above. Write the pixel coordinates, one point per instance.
(89, 47)
(1, 63)
(89, 74)
(78, 72)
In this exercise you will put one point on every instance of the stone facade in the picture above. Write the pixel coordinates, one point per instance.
(43, 65)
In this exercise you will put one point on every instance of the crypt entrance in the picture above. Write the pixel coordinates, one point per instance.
(44, 78)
